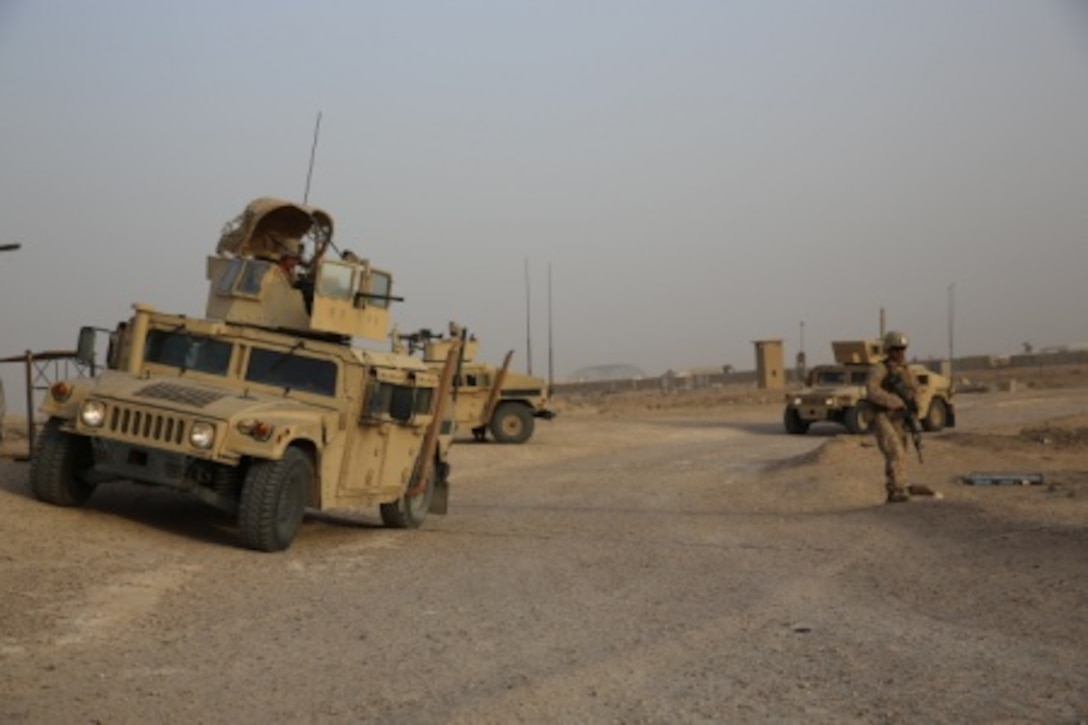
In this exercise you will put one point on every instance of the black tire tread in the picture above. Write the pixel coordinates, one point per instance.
(259, 506)
(524, 415)
(56, 467)
(791, 420)
(399, 514)
(934, 422)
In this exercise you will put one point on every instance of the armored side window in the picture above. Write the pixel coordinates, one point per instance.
(336, 281)
(402, 404)
(399, 402)
(294, 372)
(379, 288)
(253, 273)
(424, 397)
(226, 282)
(859, 377)
(377, 402)
(471, 381)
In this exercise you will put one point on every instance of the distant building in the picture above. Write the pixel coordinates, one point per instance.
(599, 373)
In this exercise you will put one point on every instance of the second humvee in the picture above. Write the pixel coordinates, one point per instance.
(487, 399)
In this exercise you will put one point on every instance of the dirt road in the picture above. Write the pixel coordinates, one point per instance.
(633, 563)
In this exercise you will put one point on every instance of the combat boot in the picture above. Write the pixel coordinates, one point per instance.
(899, 495)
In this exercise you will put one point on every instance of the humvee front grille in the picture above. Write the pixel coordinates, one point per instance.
(146, 426)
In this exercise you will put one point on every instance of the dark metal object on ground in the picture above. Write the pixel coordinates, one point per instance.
(1004, 479)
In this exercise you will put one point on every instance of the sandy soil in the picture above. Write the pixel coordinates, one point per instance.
(642, 559)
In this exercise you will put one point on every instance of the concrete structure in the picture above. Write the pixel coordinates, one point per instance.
(770, 365)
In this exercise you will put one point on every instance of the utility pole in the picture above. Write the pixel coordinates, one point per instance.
(951, 320)
(528, 322)
(551, 358)
(9, 247)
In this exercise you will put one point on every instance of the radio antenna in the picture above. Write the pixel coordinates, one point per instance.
(313, 152)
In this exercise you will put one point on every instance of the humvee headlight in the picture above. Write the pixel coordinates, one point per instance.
(829, 402)
(797, 401)
(202, 434)
(93, 413)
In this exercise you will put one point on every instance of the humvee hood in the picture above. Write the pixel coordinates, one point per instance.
(194, 397)
(833, 390)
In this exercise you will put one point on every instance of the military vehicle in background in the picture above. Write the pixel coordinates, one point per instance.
(263, 407)
(486, 398)
(836, 393)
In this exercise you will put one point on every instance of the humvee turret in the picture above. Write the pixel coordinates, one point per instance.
(486, 398)
(836, 393)
(263, 407)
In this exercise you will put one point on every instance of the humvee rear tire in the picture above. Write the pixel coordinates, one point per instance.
(936, 417)
(273, 502)
(59, 463)
(857, 420)
(409, 512)
(512, 423)
(793, 422)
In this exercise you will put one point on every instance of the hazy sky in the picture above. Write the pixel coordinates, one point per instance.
(697, 174)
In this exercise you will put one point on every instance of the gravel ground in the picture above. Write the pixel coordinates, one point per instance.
(637, 561)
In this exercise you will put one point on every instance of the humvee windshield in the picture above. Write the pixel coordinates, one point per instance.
(188, 352)
(839, 377)
(284, 370)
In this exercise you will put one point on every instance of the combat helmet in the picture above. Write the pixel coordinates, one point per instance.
(894, 339)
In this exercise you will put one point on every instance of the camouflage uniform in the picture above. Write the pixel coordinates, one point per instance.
(888, 421)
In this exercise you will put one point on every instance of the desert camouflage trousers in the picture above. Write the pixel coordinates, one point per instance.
(891, 438)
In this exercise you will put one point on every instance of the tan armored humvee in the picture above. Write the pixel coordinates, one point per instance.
(263, 407)
(486, 398)
(836, 393)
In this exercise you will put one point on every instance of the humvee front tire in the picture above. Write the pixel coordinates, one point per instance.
(60, 461)
(936, 417)
(409, 512)
(273, 502)
(857, 420)
(793, 422)
(512, 423)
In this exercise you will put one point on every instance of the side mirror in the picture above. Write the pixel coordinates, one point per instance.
(85, 345)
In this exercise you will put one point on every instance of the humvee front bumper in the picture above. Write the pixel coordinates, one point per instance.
(814, 412)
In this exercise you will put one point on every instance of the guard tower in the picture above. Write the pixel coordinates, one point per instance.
(270, 271)
(770, 365)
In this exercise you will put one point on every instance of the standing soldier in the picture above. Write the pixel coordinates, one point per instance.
(891, 389)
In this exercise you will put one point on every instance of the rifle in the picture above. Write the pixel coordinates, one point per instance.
(899, 388)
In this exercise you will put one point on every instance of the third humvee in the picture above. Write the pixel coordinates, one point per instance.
(836, 393)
